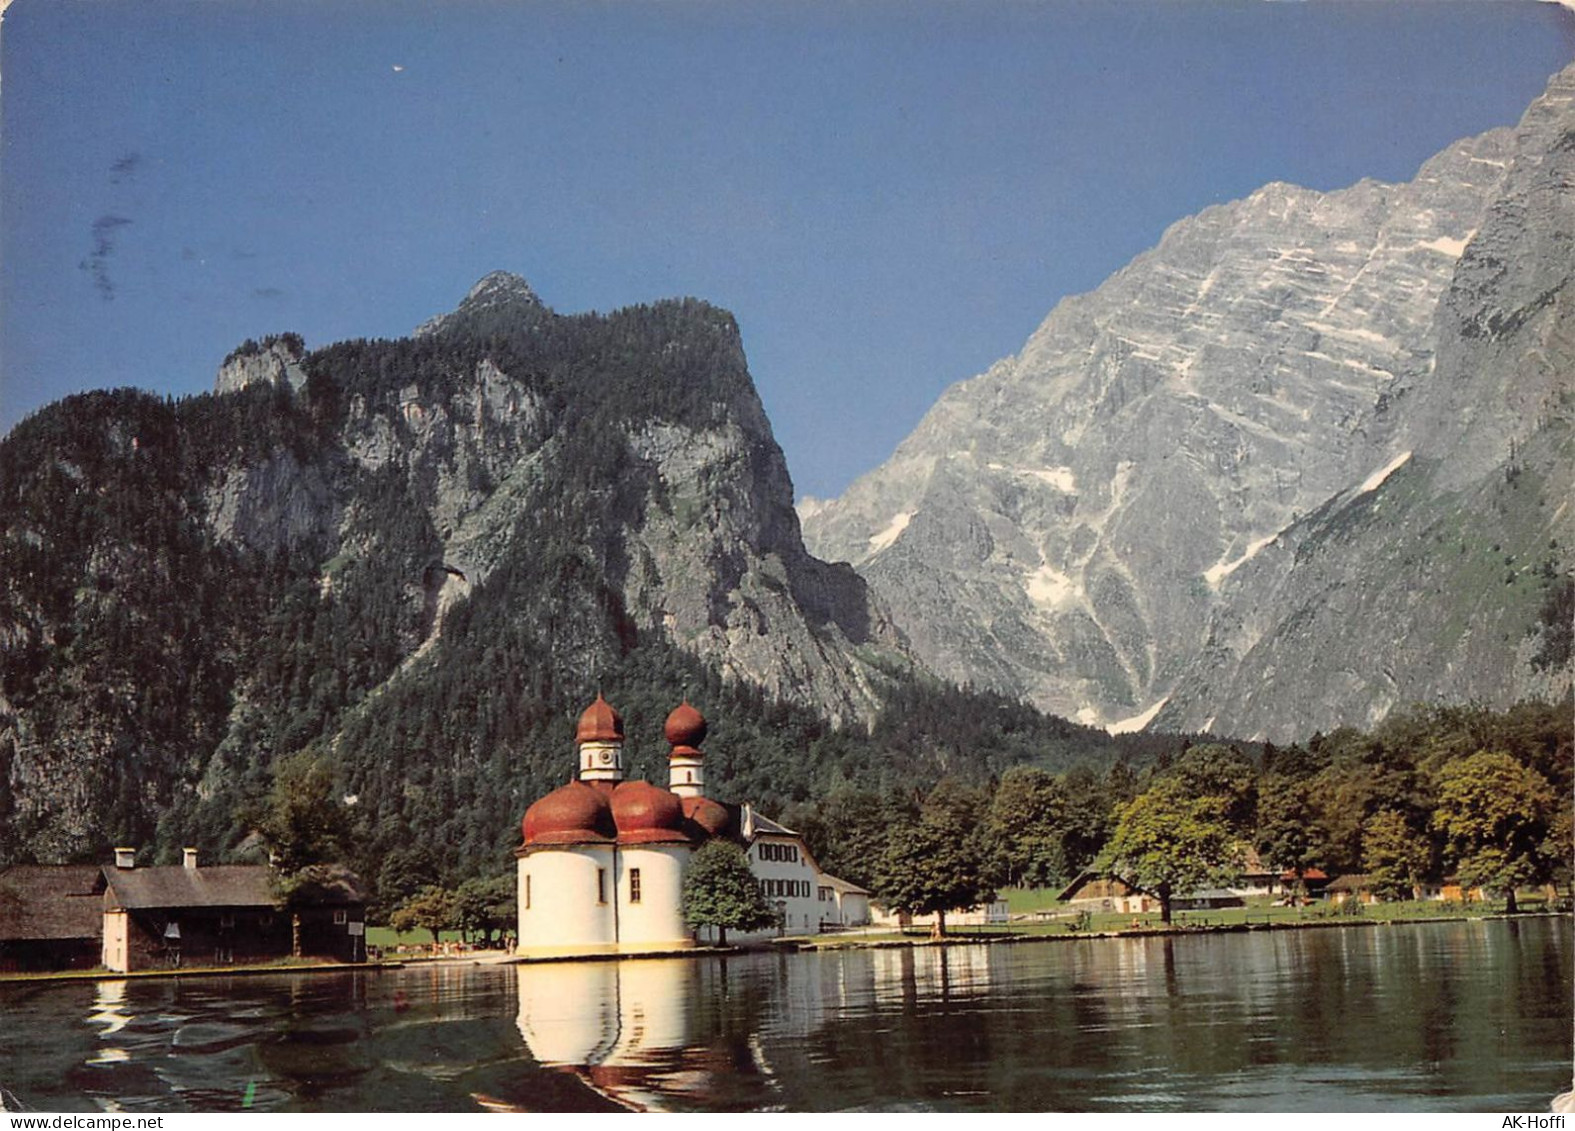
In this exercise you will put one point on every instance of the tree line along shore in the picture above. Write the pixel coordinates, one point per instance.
(1433, 799)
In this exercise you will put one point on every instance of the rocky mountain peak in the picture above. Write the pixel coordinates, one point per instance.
(497, 291)
(498, 287)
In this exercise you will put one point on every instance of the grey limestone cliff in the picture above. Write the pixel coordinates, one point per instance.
(1433, 582)
(276, 361)
(1080, 523)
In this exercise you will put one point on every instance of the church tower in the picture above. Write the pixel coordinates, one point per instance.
(685, 730)
(600, 739)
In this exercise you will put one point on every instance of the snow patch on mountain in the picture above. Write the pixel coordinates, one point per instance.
(1049, 588)
(1376, 479)
(883, 539)
(1137, 722)
(1218, 573)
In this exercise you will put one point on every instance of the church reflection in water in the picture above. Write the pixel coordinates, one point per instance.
(659, 1034)
(626, 1029)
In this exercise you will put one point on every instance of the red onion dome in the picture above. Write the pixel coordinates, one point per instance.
(685, 727)
(571, 814)
(712, 817)
(645, 814)
(599, 723)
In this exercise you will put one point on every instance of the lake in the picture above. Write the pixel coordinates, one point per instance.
(1442, 1016)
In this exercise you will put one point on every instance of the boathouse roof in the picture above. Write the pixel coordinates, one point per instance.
(40, 902)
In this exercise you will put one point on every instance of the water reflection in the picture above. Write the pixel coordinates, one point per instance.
(107, 1012)
(1469, 1015)
(626, 1029)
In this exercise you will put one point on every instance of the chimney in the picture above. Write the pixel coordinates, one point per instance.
(125, 857)
(190, 859)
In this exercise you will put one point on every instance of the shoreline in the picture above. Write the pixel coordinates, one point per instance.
(806, 945)
(23, 977)
(1171, 931)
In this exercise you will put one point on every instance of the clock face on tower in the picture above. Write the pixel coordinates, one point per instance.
(606, 757)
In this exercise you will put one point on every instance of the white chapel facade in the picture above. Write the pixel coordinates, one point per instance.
(601, 866)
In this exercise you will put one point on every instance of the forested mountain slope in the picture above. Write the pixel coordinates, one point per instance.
(417, 560)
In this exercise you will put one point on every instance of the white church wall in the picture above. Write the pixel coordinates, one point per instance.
(650, 894)
(566, 901)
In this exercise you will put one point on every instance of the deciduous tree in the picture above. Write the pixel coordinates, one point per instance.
(1212, 769)
(1394, 855)
(1028, 823)
(1559, 848)
(846, 831)
(1289, 833)
(404, 871)
(1169, 840)
(941, 862)
(720, 891)
(302, 822)
(305, 829)
(1494, 815)
(431, 909)
(483, 905)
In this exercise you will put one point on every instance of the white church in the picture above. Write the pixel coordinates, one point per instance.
(602, 863)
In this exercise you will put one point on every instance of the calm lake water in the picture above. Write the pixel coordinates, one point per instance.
(1443, 1016)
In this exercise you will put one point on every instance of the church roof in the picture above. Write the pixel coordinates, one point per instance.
(712, 817)
(685, 729)
(577, 813)
(646, 814)
(599, 723)
(632, 812)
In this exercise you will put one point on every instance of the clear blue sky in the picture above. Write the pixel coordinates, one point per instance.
(888, 196)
